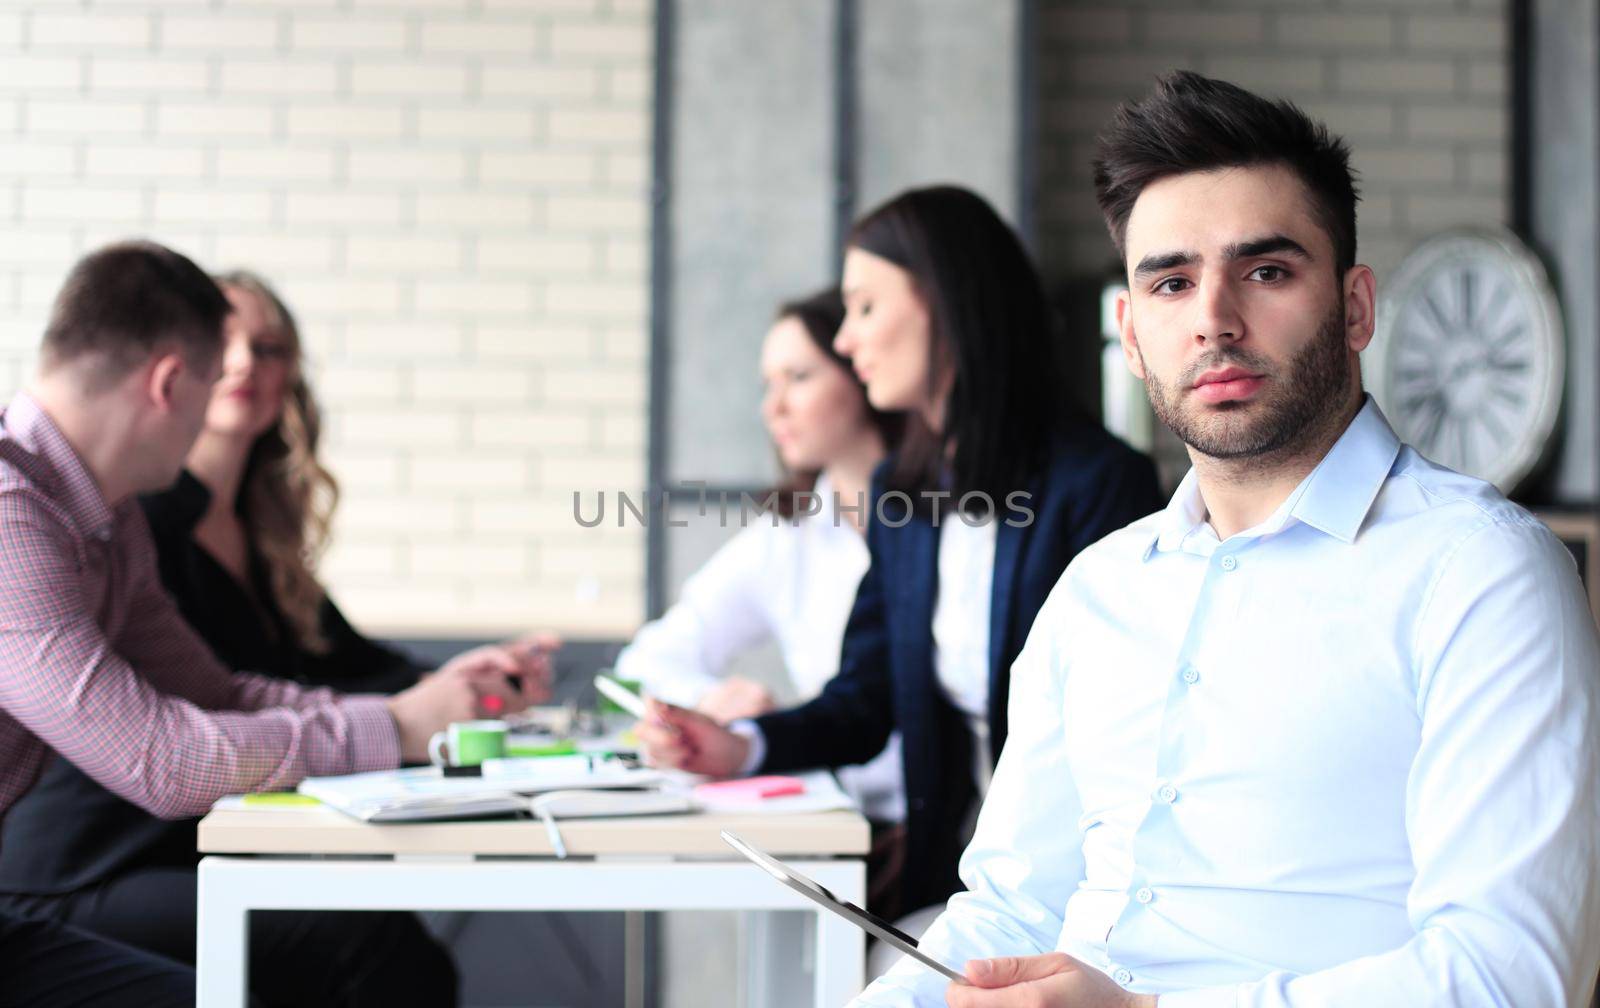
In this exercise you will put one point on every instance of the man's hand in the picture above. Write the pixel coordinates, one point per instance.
(470, 685)
(688, 740)
(1055, 980)
(535, 652)
(523, 668)
(734, 698)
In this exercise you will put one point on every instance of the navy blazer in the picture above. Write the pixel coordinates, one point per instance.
(1092, 486)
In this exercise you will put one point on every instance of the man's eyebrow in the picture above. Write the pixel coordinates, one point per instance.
(1155, 262)
(1270, 245)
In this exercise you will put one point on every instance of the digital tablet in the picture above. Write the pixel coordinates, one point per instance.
(875, 926)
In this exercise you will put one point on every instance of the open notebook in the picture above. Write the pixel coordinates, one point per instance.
(419, 793)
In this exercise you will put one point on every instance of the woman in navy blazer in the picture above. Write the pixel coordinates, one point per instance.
(947, 321)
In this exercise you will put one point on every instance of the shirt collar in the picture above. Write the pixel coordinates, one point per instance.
(1334, 498)
(27, 421)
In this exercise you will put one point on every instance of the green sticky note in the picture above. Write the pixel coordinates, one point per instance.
(566, 747)
(281, 799)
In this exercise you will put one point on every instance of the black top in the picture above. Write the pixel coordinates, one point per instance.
(1092, 486)
(69, 832)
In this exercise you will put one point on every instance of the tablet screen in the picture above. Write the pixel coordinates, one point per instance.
(867, 922)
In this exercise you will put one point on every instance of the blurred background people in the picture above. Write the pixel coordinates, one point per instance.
(947, 321)
(237, 539)
(790, 583)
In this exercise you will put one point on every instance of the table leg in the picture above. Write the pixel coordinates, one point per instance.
(779, 957)
(841, 946)
(635, 950)
(222, 934)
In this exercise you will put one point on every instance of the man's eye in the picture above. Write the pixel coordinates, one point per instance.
(1171, 285)
(1269, 274)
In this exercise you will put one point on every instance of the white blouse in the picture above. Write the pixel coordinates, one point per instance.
(961, 628)
(794, 585)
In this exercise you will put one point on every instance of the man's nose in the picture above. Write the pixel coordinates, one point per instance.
(1217, 316)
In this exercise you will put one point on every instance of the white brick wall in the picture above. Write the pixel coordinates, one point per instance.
(1417, 86)
(453, 195)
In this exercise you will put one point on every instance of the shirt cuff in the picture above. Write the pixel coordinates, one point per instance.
(374, 737)
(748, 730)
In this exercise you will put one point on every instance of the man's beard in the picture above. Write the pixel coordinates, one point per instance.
(1317, 383)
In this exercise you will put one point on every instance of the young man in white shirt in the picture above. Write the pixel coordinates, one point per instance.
(1322, 731)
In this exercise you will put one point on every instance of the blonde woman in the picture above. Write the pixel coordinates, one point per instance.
(238, 538)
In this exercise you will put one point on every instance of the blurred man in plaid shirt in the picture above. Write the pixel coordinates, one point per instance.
(95, 661)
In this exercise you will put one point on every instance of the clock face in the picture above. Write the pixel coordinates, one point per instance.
(1471, 355)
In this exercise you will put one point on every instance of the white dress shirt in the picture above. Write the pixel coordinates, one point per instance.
(961, 613)
(1346, 757)
(793, 584)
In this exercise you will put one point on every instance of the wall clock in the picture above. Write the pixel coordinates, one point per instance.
(1470, 354)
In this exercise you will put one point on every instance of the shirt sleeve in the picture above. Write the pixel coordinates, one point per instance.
(747, 729)
(1026, 855)
(1503, 800)
(719, 614)
(165, 742)
(851, 720)
(173, 657)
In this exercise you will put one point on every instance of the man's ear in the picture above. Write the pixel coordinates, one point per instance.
(161, 379)
(1360, 307)
(1125, 333)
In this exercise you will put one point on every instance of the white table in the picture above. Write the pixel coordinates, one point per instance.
(319, 859)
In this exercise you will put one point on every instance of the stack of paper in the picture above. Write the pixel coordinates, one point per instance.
(425, 793)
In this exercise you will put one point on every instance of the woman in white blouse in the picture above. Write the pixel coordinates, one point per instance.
(1000, 481)
(790, 584)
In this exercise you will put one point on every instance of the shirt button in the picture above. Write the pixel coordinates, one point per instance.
(1191, 675)
(1229, 562)
(1122, 976)
(1167, 793)
(1144, 894)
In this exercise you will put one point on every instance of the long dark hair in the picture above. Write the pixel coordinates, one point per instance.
(989, 318)
(287, 497)
(821, 314)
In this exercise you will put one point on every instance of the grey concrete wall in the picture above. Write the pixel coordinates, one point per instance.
(938, 86)
(751, 214)
(754, 192)
(1565, 217)
(752, 200)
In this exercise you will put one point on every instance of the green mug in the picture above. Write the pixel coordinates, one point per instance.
(468, 743)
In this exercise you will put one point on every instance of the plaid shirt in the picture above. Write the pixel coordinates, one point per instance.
(97, 664)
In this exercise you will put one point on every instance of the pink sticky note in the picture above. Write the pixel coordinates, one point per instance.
(752, 788)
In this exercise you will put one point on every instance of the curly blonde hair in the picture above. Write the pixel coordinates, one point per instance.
(287, 498)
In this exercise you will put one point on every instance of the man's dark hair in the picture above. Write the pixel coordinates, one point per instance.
(1191, 123)
(120, 303)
